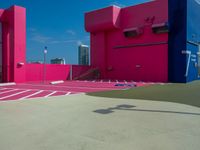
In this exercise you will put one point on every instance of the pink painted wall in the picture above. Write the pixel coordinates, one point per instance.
(78, 70)
(140, 63)
(14, 43)
(35, 72)
(14, 52)
(99, 21)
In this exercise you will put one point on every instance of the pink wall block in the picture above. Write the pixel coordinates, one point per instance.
(19, 45)
(78, 70)
(143, 14)
(108, 18)
(98, 51)
(14, 43)
(1, 12)
(147, 62)
(35, 72)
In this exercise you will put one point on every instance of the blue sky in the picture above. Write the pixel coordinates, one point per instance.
(59, 25)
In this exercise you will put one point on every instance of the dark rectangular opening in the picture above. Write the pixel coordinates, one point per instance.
(160, 28)
(133, 32)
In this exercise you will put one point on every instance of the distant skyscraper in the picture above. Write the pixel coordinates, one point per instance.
(83, 55)
(58, 61)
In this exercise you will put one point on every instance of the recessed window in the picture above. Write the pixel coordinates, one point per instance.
(160, 28)
(133, 32)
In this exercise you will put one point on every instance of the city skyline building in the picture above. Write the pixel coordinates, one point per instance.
(58, 61)
(83, 55)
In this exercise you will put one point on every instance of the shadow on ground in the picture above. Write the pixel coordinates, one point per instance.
(188, 94)
(133, 108)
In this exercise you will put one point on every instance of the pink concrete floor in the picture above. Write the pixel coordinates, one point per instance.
(37, 90)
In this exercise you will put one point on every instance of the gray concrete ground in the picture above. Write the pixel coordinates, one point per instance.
(81, 122)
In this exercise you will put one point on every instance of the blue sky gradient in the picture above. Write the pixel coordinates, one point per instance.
(59, 25)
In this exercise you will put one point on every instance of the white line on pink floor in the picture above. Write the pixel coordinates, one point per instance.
(14, 94)
(35, 90)
(68, 93)
(50, 94)
(2, 89)
(9, 91)
(72, 87)
(32, 94)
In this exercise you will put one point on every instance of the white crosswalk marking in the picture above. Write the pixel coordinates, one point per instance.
(32, 94)
(9, 91)
(68, 93)
(14, 94)
(3, 89)
(50, 94)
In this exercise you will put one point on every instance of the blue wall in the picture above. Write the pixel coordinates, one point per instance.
(177, 40)
(193, 36)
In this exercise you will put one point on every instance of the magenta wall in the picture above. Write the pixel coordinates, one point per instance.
(35, 72)
(78, 70)
(140, 63)
(14, 43)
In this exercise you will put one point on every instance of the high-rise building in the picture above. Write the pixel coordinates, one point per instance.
(58, 61)
(83, 55)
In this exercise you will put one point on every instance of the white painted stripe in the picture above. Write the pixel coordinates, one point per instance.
(14, 94)
(7, 84)
(50, 94)
(38, 89)
(9, 91)
(32, 94)
(57, 82)
(188, 62)
(134, 82)
(64, 86)
(3, 89)
(68, 93)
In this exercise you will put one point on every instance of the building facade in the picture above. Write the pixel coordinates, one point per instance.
(83, 55)
(13, 44)
(58, 61)
(157, 41)
(154, 41)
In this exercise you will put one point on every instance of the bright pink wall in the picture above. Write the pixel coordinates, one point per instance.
(102, 19)
(14, 43)
(14, 52)
(140, 63)
(35, 72)
(78, 70)
(1, 12)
